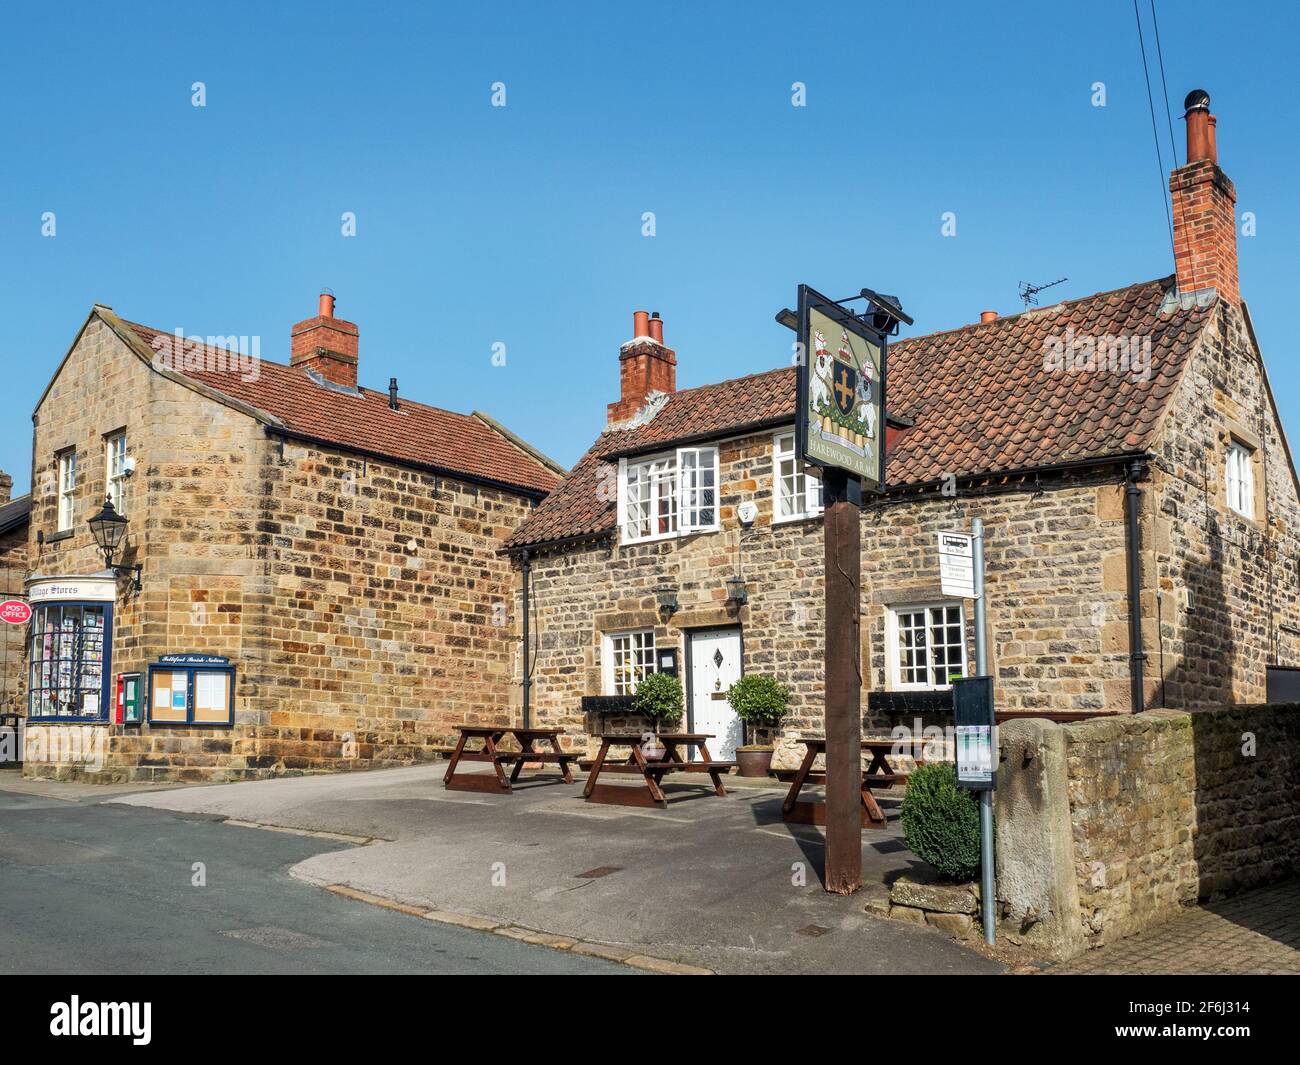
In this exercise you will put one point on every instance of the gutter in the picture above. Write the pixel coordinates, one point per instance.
(528, 670)
(1133, 549)
(563, 541)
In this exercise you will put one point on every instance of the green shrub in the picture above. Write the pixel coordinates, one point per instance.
(941, 822)
(659, 697)
(759, 701)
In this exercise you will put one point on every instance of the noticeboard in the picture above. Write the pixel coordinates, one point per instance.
(977, 749)
(841, 394)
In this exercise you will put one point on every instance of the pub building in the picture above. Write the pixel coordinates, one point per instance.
(1123, 451)
(240, 568)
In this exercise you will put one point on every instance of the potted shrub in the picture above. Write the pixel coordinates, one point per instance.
(760, 702)
(659, 698)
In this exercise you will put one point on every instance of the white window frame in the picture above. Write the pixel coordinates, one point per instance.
(643, 658)
(1239, 478)
(786, 484)
(893, 651)
(115, 478)
(697, 489)
(669, 494)
(67, 489)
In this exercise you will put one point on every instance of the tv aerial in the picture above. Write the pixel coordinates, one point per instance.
(1029, 293)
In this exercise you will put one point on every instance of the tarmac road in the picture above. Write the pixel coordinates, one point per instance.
(91, 888)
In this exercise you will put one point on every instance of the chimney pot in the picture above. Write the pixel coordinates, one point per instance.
(988, 316)
(327, 304)
(1200, 127)
(392, 393)
(656, 328)
(640, 324)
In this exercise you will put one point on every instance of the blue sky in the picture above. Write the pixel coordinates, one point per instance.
(522, 225)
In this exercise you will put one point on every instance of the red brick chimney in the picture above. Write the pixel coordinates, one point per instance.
(1205, 227)
(645, 365)
(326, 344)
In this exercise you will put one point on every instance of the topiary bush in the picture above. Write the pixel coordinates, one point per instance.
(659, 697)
(759, 701)
(941, 822)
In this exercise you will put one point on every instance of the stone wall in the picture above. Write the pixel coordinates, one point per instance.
(1164, 809)
(1222, 587)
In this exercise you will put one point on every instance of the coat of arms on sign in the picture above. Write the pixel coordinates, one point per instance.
(841, 389)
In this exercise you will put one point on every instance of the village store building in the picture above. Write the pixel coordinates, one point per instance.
(1124, 451)
(309, 575)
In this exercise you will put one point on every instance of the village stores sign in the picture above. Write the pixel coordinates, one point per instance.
(841, 430)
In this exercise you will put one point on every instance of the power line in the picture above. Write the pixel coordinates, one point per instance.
(1155, 134)
(1173, 144)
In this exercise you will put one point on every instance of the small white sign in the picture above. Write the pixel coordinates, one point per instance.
(957, 564)
(974, 754)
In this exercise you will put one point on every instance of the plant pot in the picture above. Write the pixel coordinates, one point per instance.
(754, 761)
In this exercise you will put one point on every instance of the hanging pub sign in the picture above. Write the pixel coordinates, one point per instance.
(841, 393)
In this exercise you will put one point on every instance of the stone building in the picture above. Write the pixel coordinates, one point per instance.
(1049, 425)
(310, 575)
(13, 572)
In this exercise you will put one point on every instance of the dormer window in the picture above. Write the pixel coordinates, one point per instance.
(668, 495)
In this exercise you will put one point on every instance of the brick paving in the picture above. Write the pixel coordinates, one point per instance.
(1255, 933)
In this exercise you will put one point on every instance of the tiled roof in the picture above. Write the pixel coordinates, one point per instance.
(463, 444)
(15, 513)
(980, 399)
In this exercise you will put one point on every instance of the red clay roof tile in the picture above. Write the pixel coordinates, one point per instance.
(980, 398)
(362, 421)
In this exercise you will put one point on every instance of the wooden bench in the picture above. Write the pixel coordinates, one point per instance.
(878, 774)
(651, 772)
(491, 735)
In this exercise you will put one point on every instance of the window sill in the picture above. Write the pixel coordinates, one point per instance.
(63, 534)
(48, 720)
(796, 519)
(661, 537)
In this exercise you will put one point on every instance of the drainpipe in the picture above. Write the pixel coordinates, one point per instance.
(528, 683)
(1136, 656)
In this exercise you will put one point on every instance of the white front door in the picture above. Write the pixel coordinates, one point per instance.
(715, 666)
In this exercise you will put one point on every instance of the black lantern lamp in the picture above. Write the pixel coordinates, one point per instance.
(737, 593)
(666, 598)
(108, 527)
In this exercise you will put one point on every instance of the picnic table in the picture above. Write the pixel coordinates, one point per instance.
(651, 770)
(878, 774)
(491, 735)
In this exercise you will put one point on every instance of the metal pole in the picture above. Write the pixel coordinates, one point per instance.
(982, 670)
(842, 531)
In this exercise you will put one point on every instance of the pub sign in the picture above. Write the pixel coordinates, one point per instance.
(841, 393)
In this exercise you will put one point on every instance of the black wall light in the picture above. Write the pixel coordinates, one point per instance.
(108, 527)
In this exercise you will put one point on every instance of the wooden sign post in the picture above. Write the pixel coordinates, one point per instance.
(840, 427)
(842, 521)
